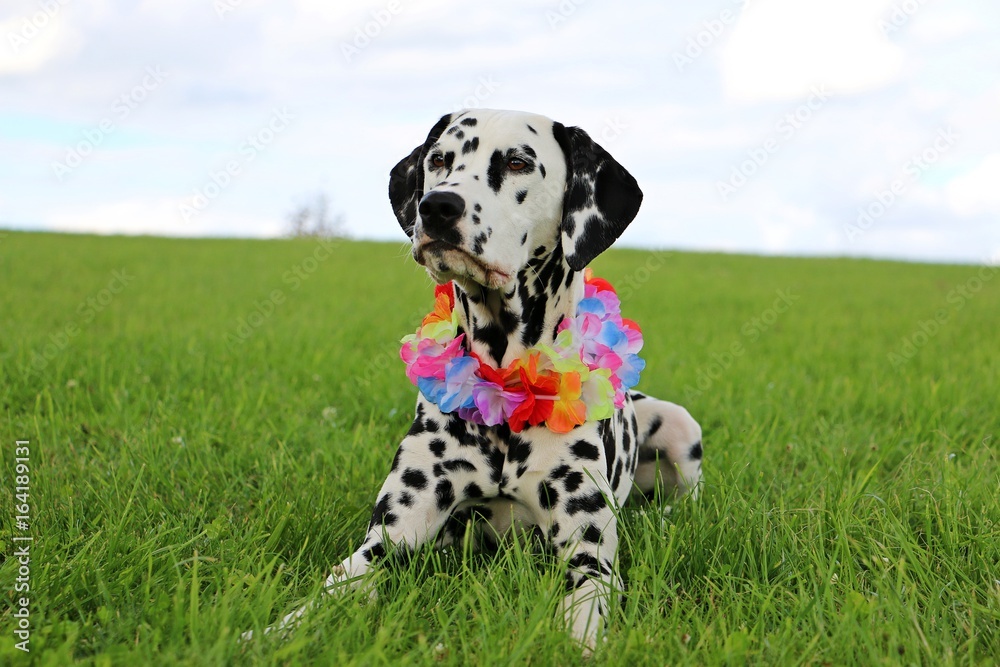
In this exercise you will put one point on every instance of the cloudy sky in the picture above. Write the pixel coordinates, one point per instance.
(855, 127)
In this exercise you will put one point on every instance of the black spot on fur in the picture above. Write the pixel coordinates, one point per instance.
(541, 169)
(589, 503)
(470, 146)
(560, 472)
(534, 320)
(584, 561)
(524, 239)
(539, 251)
(477, 243)
(529, 150)
(617, 477)
(556, 277)
(444, 492)
(584, 450)
(607, 432)
(573, 481)
(381, 516)
(496, 465)
(405, 499)
(459, 429)
(468, 122)
(518, 449)
(496, 171)
(454, 465)
(573, 581)
(533, 130)
(592, 534)
(647, 454)
(472, 490)
(654, 426)
(417, 427)
(414, 478)
(437, 447)
(521, 194)
(547, 495)
(477, 208)
(696, 451)
(494, 338)
(376, 551)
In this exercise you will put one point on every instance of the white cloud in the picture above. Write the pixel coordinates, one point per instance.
(977, 190)
(35, 37)
(779, 49)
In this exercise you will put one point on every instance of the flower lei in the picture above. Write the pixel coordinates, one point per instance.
(583, 375)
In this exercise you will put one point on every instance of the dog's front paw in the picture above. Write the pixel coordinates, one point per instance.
(347, 576)
(284, 626)
(584, 610)
(343, 577)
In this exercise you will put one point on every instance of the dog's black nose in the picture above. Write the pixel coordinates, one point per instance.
(439, 212)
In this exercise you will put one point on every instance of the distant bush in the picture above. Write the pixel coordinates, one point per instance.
(314, 220)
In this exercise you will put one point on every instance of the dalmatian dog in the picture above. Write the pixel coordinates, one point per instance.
(511, 207)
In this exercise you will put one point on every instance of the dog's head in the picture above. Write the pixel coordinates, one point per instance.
(488, 190)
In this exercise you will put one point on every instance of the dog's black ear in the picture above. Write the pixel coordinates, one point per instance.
(601, 197)
(406, 180)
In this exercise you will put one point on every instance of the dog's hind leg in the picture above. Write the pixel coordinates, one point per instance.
(670, 448)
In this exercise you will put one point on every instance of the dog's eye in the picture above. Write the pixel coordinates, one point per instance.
(437, 160)
(516, 164)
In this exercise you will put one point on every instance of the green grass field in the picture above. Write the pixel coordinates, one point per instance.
(209, 422)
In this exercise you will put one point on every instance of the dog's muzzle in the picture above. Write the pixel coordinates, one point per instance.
(439, 215)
